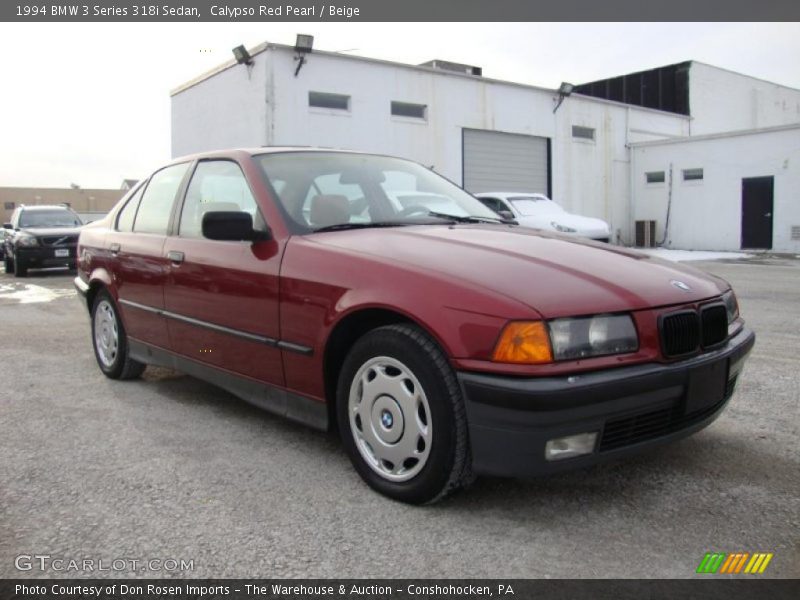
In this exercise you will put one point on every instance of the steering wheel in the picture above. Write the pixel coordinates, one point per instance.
(413, 209)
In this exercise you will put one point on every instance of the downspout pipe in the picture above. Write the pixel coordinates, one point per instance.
(631, 181)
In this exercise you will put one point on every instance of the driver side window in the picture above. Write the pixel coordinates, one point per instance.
(217, 185)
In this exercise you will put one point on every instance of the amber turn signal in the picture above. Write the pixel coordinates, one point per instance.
(524, 342)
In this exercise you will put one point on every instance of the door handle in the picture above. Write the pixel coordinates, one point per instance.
(767, 214)
(175, 257)
(114, 248)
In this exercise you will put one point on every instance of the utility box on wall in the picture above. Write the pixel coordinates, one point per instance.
(645, 234)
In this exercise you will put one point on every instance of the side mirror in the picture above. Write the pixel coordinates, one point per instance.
(7, 226)
(506, 214)
(232, 226)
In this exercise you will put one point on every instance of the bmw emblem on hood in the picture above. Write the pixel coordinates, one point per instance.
(680, 285)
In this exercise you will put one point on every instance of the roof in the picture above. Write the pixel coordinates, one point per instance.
(510, 194)
(232, 152)
(265, 46)
(780, 85)
(38, 207)
(714, 136)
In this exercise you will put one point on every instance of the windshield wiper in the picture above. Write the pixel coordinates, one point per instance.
(436, 215)
(344, 226)
(468, 218)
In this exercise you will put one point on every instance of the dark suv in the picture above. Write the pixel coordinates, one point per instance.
(41, 236)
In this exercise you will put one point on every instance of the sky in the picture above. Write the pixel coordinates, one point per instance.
(89, 103)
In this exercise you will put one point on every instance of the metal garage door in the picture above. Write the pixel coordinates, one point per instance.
(504, 162)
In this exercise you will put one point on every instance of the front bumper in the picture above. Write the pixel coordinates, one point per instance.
(631, 409)
(81, 287)
(45, 256)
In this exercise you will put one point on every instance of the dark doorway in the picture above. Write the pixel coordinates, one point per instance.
(757, 205)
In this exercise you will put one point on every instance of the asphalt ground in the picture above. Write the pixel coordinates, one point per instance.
(168, 467)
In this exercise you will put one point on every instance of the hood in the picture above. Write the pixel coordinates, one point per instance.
(579, 222)
(555, 275)
(51, 231)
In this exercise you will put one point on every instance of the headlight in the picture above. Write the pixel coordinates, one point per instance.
(729, 298)
(732, 308)
(592, 336)
(27, 240)
(537, 342)
(562, 228)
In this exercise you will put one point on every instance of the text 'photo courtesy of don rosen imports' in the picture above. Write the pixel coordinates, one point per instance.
(242, 589)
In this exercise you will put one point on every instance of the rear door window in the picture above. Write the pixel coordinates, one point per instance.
(156, 204)
(128, 212)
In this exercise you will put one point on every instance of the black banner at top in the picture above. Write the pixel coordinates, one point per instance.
(396, 10)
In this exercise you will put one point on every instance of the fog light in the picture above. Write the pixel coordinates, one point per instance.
(570, 446)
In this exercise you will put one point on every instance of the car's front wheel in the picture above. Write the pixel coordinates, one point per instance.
(8, 263)
(401, 415)
(110, 342)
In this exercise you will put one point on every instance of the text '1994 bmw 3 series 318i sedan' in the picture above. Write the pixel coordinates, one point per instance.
(442, 345)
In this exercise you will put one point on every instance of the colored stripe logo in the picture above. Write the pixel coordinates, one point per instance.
(734, 563)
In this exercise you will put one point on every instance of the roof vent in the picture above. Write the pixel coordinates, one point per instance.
(446, 65)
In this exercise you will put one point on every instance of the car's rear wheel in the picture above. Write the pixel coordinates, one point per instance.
(401, 416)
(20, 267)
(110, 342)
(8, 263)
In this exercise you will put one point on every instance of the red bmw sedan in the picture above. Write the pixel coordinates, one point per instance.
(368, 293)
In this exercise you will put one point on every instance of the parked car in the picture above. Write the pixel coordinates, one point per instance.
(40, 236)
(441, 346)
(538, 211)
(422, 202)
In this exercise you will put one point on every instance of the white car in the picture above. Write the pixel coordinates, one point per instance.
(411, 201)
(538, 211)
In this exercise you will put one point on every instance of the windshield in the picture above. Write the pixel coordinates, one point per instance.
(49, 218)
(535, 205)
(329, 189)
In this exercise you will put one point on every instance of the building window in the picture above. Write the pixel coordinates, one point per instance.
(407, 109)
(583, 133)
(10, 205)
(326, 100)
(692, 174)
(654, 177)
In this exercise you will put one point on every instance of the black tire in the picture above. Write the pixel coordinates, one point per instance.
(448, 464)
(20, 267)
(8, 263)
(117, 364)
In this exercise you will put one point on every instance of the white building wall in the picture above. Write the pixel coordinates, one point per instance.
(223, 111)
(706, 215)
(592, 177)
(722, 101)
(453, 103)
(265, 104)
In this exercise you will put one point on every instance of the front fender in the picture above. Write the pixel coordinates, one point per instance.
(320, 286)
